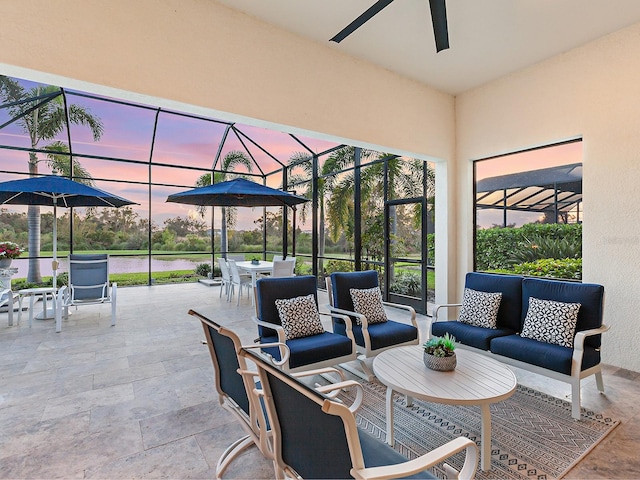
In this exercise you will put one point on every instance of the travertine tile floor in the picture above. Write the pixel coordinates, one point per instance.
(137, 400)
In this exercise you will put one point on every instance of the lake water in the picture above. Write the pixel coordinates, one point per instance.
(116, 265)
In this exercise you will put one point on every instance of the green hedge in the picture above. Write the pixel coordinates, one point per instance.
(569, 268)
(502, 248)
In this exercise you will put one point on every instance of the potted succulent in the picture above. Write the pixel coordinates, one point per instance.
(439, 353)
(255, 261)
(8, 251)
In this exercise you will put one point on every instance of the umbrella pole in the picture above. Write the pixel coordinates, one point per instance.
(54, 263)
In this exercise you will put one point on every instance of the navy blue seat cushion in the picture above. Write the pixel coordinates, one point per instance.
(590, 297)
(470, 335)
(382, 335)
(377, 454)
(511, 288)
(545, 355)
(268, 290)
(309, 350)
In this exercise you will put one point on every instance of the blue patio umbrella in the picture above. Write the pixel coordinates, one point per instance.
(237, 193)
(51, 190)
(240, 192)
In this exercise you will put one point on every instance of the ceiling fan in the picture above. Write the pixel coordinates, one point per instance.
(438, 18)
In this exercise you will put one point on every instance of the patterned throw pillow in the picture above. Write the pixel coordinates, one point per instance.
(551, 322)
(368, 302)
(480, 308)
(299, 316)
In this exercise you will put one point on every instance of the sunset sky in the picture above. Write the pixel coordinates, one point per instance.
(190, 142)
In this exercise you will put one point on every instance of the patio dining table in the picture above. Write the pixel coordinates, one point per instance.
(254, 270)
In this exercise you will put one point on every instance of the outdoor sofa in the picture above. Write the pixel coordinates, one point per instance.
(496, 319)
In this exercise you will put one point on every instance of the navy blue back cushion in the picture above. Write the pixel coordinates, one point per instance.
(268, 290)
(341, 282)
(226, 358)
(590, 296)
(511, 288)
(313, 442)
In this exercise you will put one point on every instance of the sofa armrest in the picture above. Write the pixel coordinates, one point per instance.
(581, 336)
(437, 308)
(578, 347)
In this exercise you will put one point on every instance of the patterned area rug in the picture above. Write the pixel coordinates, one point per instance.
(533, 434)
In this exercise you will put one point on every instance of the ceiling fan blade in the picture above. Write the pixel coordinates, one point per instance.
(361, 20)
(439, 20)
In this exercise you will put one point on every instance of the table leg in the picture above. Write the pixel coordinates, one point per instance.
(389, 398)
(10, 307)
(485, 436)
(31, 297)
(254, 276)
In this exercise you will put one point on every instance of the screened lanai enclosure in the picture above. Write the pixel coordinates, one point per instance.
(366, 209)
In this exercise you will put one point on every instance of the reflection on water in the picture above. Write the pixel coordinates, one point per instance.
(116, 265)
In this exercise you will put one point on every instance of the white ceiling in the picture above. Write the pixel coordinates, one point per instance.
(488, 38)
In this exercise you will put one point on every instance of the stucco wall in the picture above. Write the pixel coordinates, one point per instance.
(591, 92)
(201, 54)
(201, 57)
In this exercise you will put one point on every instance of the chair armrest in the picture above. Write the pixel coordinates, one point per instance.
(284, 351)
(437, 308)
(278, 328)
(347, 322)
(333, 389)
(349, 314)
(427, 460)
(408, 308)
(319, 371)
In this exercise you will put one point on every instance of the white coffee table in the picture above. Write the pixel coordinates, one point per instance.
(477, 380)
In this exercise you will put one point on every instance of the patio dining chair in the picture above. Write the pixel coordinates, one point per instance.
(226, 277)
(88, 284)
(237, 280)
(315, 436)
(278, 258)
(287, 312)
(240, 393)
(282, 268)
(357, 294)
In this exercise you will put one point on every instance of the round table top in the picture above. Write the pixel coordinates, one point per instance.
(477, 378)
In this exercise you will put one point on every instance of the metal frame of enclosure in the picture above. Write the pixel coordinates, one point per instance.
(309, 159)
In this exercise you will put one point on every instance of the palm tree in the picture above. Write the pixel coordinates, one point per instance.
(402, 183)
(43, 123)
(229, 162)
(336, 161)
